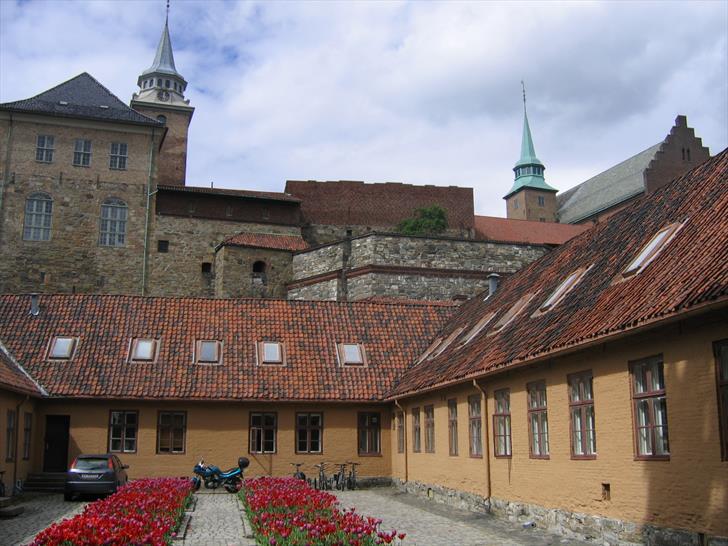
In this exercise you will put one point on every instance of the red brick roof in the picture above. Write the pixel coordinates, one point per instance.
(690, 273)
(275, 196)
(392, 334)
(13, 377)
(491, 228)
(376, 205)
(267, 240)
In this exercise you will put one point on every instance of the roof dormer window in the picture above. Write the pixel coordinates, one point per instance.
(480, 325)
(512, 313)
(564, 288)
(447, 342)
(62, 348)
(429, 350)
(271, 353)
(143, 350)
(208, 351)
(351, 354)
(650, 251)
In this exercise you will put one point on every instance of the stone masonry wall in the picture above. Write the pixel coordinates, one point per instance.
(234, 276)
(412, 286)
(72, 260)
(192, 242)
(325, 290)
(319, 234)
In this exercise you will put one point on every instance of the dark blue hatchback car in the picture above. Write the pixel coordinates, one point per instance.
(95, 475)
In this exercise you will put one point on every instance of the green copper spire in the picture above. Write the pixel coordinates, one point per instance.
(529, 169)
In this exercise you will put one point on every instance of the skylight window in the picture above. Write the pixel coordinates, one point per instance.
(351, 354)
(208, 352)
(143, 350)
(561, 290)
(651, 250)
(62, 348)
(512, 313)
(271, 352)
(475, 330)
(429, 350)
(447, 342)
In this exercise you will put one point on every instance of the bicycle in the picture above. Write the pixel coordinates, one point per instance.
(323, 481)
(351, 480)
(297, 473)
(340, 477)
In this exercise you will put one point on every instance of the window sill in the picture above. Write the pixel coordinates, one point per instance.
(540, 457)
(44, 162)
(170, 453)
(369, 454)
(82, 166)
(476, 456)
(262, 452)
(503, 456)
(652, 458)
(583, 457)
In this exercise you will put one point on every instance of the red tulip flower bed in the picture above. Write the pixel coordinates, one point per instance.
(141, 512)
(287, 512)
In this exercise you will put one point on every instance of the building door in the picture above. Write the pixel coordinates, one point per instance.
(55, 452)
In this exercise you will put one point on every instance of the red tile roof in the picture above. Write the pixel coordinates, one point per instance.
(275, 196)
(13, 377)
(392, 334)
(378, 205)
(690, 273)
(267, 240)
(491, 228)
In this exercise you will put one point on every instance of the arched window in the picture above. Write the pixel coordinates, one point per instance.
(259, 268)
(112, 228)
(38, 212)
(161, 118)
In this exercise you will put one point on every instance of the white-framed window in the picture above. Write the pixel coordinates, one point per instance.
(351, 354)
(650, 251)
(564, 288)
(44, 148)
(82, 153)
(112, 227)
(143, 350)
(271, 353)
(118, 156)
(62, 348)
(38, 213)
(208, 351)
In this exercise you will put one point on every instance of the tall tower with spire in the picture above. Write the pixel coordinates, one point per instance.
(162, 96)
(530, 197)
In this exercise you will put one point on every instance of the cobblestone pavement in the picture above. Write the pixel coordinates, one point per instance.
(41, 509)
(431, 524)
(217, 521)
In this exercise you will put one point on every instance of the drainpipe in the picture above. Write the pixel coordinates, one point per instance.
(404, 426)
(486, 449)
(146, 219)
(17, 443)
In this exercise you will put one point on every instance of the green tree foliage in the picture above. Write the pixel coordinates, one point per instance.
(426, 221)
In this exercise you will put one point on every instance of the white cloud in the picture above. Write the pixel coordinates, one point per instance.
(426, 92)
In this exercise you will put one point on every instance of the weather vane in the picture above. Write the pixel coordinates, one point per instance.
(523, 86)
(167, 9)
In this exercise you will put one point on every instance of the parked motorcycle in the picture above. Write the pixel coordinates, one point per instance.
(213, 477)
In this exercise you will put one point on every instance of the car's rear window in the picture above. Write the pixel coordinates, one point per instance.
(98, 463)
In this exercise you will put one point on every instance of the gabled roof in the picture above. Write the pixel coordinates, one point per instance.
(81, 97)
(392, 334)
(13, 377)
(690, 273)
(386, 204)
(509, 230)
(266, 240)
(252, 194)
(606, 189)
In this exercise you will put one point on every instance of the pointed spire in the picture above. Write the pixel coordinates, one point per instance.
(164, 58)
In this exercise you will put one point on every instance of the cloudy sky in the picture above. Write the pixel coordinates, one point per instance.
(418, 92)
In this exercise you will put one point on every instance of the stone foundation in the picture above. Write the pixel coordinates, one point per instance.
(584, 527)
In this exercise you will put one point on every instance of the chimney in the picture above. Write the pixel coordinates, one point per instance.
(493, 279)
(34, 305)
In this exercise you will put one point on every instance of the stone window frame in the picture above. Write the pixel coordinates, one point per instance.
(113, 229)
(581, 400)
(44, 148)
(429, 412)
(51, 346)
(259, 277)
(371, 432)
(82, 152)
(133, 342)
(720, 350)
(452, 426)
(197, 353)
(124, 427)
(36, 219)
(416, 430)
(173, 429)
(257, 433)
(537, 406)
(306, 429)
(475, 426)
(260, 353)
(119, 158)
(502, 422)
(341, 355)
(650, 396)
(27, 434)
